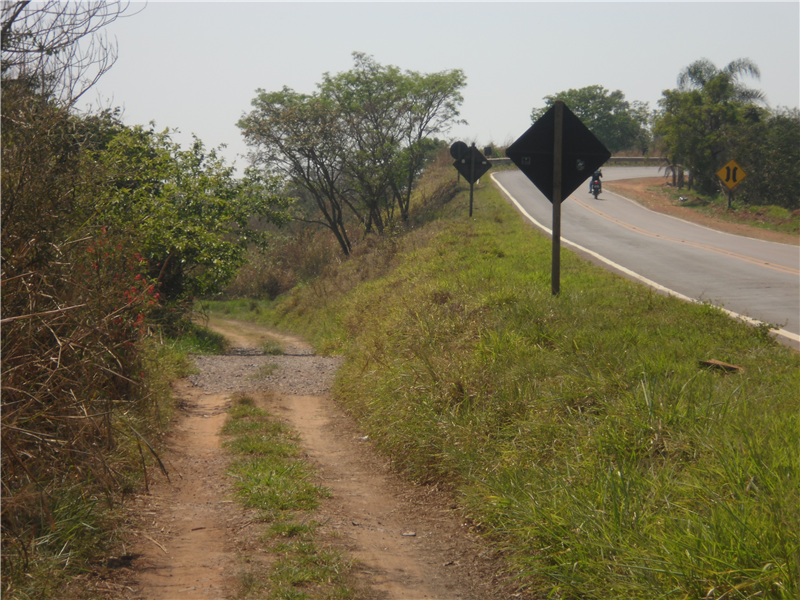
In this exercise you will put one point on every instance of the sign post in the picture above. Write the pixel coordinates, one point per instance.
(472, 177)
(557, 153)
(558, 148)
(470, 163)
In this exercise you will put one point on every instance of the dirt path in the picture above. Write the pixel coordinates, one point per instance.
(184, 550)
(409, 542)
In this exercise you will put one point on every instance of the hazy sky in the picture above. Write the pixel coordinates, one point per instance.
(195, 66)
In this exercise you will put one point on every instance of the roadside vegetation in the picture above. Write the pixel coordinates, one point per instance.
(272, 479)
(580, 433)
(108, 232)
(713, 117)
(620, 125)
(353, 151)
(766, 217)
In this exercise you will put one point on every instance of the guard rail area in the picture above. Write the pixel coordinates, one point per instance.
(614, 160)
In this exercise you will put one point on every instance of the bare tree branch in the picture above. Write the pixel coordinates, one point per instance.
(58, 48)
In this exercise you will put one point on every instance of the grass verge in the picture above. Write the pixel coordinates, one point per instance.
(271, 478)
(770, 218)
(581, 431)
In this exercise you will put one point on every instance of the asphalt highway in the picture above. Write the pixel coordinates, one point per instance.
(753, 279)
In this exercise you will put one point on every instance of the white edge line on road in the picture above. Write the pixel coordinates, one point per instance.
(782, 332)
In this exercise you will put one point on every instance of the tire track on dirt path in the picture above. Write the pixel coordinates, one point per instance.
(185, 550)
(408, 542)
(407, 547)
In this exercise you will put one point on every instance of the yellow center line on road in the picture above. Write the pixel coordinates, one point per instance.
(636, 229)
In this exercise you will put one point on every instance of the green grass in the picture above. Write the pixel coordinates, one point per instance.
(272, 348)
(241, 309)
(579, 431)
(270, 477)
(770, 217)
(196, 339)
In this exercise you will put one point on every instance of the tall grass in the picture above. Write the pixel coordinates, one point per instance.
(580, 431)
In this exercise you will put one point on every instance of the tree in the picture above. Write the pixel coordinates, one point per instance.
(389, 117)
(701, 72)
(57, 48)
(358, 144)
(767, 146)
(190, 215)
(615, 122)
(434, 101)
(698, 121)
(301, 138)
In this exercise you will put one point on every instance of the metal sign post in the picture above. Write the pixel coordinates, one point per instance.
(557, 153)
(471, 176)
(558, 145)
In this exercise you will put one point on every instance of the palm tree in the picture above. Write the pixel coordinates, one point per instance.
(701, 72)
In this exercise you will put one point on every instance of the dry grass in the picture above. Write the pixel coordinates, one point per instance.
(82, 399)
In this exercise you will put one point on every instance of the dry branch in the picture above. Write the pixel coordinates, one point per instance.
(40, 314)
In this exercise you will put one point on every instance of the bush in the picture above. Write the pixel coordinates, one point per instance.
(77, 397)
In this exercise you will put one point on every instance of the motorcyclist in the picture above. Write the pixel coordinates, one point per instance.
(595, 177)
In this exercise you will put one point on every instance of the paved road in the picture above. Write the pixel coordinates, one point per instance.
(752, 278)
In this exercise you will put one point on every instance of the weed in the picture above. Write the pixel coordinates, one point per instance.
(196, 339)
(272, 348)
(264, 371)
(270, 477)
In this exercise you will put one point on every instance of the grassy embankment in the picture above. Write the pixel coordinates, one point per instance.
(579, 432)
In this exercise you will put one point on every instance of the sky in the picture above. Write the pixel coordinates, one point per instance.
(196, 66)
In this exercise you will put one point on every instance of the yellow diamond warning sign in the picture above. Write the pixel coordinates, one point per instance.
(731, 174)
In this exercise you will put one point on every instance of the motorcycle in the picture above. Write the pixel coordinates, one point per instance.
(596, 188)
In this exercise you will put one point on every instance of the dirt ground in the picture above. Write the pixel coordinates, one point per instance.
(191, 540)
(640, 191)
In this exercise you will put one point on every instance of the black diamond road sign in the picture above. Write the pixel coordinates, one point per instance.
(582, 154)
(473, 172)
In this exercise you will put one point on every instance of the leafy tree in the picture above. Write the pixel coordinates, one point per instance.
(301, 137)
(190, 214)
(358, 144)
(617, 123)
(699, 121)
(693, 127)
(389, 118)
(767, 146)
(370, 100)
(433, 107)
